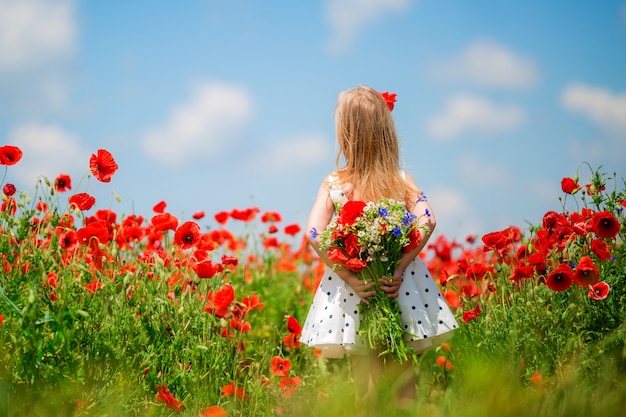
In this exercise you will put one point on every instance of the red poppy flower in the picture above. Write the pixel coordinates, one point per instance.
(272, 229)
(232, 390)
(351, 211)
(8, 189)
(586, 273)
(569, 186)
(337, 255)
(109, 217)
(355, 264)
(522, 271)
(253, 302)
(289, 385)
(271, 242)
(213, 411)
(452, 298)
(222, 217)
(81, 201)
(536, 379)
(471, 314)
(280, 366)
(561, 278)
(93, 286)
(499, 241)
(198, 215)
(68, 240)
(230, 260)
(478, 270)
(390, 99)
(219, 302)
(9, 206)
(159, 207)
(292, 341)
(63, 183)
(52, 279)
(593, 190)
(1, 319)
(206, 269)
(271, 217)
(10, 155)
(187, 235)
(293, 326)
(599, 291)
(292, 229)
(245, 215)
(240, 325)
(164, 221)
(102, 165)
(94, 230)
(165, 396)
(600, 248)
(415, 237)
(444, 362)
(351, 243)
(605, 225)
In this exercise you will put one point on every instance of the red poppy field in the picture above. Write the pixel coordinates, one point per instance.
(109, 314)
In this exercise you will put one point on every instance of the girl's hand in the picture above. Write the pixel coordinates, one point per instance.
(392, 286)
(361, 287)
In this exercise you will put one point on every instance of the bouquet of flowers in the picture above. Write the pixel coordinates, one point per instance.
(369, 240)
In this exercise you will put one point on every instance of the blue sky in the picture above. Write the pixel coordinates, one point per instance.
(214, 105)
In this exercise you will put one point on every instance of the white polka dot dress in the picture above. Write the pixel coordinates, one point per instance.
(333, 319)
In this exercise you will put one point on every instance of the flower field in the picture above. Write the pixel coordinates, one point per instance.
(126, 315)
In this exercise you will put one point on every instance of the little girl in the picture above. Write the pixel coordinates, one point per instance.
(369, 146)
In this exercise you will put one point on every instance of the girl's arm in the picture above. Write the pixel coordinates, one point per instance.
(320, 216)
(426, 223)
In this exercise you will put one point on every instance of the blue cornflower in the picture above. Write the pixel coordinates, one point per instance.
(408, 218)
(383, 211)
(427, 213)
(313, 233)
(421, 197)
(397, 232)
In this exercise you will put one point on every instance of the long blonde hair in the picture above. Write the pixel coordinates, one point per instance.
(367, 140)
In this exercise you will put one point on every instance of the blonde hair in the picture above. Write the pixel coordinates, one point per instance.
(367, 139)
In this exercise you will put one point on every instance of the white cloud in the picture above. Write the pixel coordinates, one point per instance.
(38, 41)
(33, 32)
(455, 218)
(465, 113)
(348, 17)
(48, 151)
(484, 172)
(601, 106)
(294, 154)
(489, 64)
(203, 127)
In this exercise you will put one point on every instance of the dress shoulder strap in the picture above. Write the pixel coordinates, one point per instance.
(335, 190)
